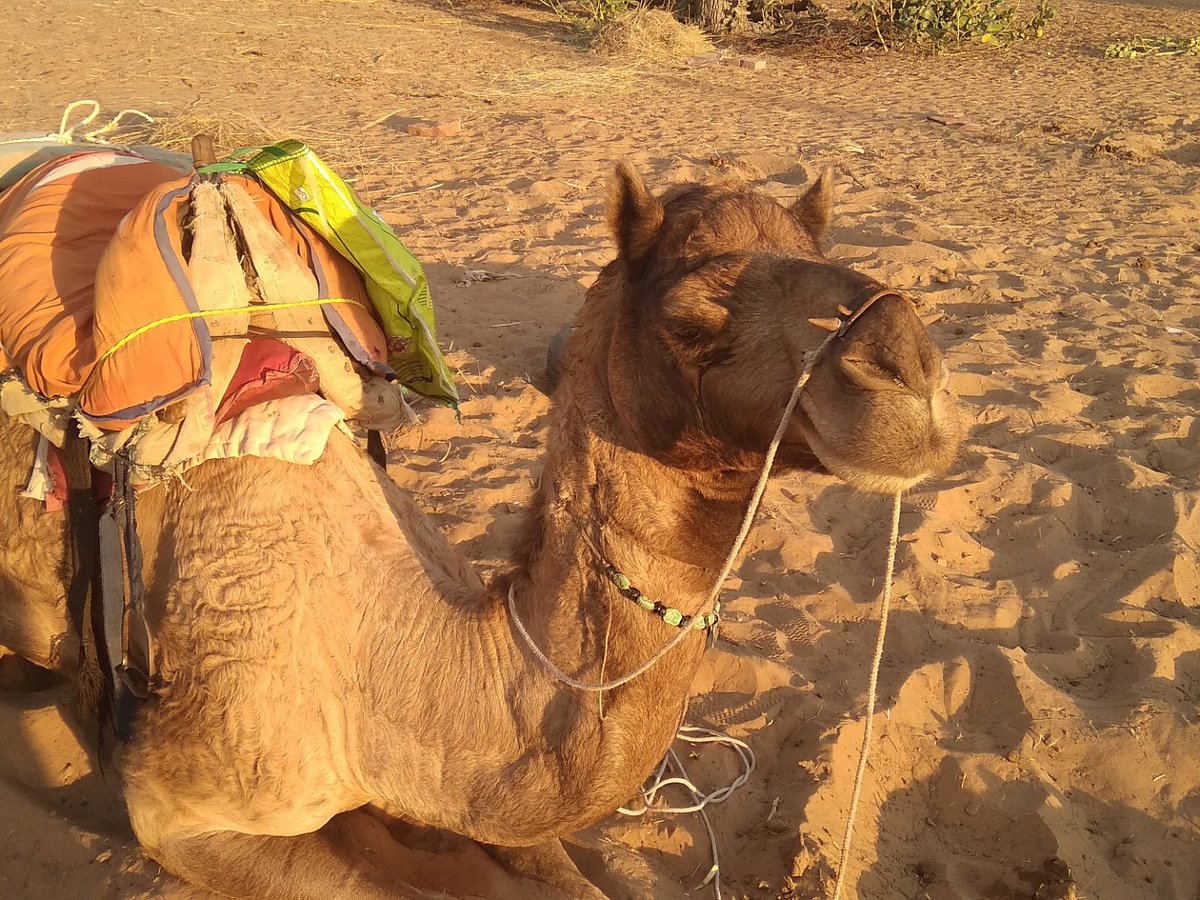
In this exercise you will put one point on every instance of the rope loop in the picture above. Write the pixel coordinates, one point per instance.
(66, 130)
(730, 558)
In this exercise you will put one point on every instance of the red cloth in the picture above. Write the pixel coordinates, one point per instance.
(268, 370)
(59, 495)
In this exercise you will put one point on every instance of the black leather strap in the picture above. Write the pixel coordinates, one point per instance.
(376, 450)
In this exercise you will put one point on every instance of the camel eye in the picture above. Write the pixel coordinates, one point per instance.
(718, 358)
(687, 334)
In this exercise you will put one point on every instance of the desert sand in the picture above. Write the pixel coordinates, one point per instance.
(1039, 718)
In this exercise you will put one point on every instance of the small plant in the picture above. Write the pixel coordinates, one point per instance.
(941, 23)
(584, 16)
(1139, 47)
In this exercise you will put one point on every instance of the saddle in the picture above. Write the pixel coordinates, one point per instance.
(167, 318)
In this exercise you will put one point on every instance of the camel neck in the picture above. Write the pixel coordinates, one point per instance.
(569, 757)
(602, 509)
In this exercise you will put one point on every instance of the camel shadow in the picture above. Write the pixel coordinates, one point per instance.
(994, 841)
(37, 712)
(511, 348)
(1072, 622)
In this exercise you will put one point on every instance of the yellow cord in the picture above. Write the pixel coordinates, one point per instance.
(212, 313)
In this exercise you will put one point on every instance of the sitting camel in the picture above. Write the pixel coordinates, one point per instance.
(322, 648)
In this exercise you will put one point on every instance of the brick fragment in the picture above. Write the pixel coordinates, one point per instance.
(447, 128)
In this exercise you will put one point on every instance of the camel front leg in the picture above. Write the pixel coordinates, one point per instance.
(549, 864)
(262, 867)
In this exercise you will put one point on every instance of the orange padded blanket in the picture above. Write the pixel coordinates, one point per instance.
(54, 226)
(91, 250)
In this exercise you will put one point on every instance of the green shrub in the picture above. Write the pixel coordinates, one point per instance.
(1139, 47)
(585, 15)
(942, 23)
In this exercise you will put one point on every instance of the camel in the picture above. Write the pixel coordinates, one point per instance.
(324, 649)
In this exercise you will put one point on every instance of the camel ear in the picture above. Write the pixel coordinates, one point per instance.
(634, 214)
(815, 208)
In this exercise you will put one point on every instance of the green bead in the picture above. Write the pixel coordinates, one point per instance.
(621, 581)
(673, 617)
(645, 604)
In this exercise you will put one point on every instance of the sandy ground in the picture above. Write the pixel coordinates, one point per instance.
(1039, 697)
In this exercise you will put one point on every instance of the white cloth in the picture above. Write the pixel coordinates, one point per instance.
(49, 418)
(293, 429)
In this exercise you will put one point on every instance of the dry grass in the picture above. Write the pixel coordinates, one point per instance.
(229, 131)
(606, 81)
(344, 152)
(651, 35)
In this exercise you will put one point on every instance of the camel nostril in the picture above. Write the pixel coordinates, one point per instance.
(884, 372)
(888, 349)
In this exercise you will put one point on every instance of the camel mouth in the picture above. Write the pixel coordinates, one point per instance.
(801, 443)
(841, 466)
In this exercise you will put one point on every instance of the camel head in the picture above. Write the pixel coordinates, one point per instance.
(716, 301)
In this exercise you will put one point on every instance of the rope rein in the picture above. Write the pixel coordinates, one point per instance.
(865, 751)
(687, 733)
(691, 734)
(575, 682)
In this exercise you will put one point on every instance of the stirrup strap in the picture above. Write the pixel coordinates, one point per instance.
(128, 661)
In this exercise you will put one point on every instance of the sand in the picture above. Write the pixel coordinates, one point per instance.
(1039, 717)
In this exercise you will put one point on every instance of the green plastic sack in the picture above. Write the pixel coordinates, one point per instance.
(394, 278)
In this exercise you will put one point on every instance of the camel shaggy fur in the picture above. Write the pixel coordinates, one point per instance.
(323, 648)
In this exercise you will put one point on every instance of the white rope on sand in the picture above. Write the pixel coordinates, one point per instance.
(659, 780)
(865, 750)
(695, 735)
(66, 135)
